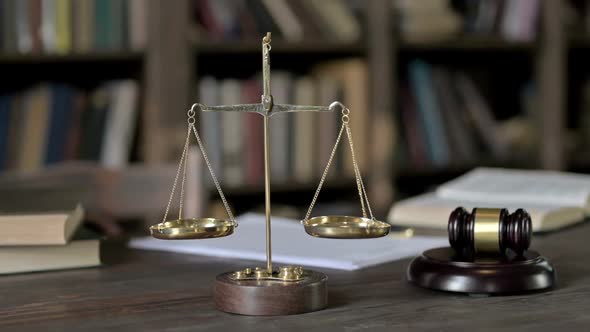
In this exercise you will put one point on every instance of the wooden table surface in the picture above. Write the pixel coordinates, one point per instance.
(149, 291)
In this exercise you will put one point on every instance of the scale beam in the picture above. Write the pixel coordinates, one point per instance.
(262, 110)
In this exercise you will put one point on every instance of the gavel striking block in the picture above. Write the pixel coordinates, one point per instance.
(488, 254)
(489, 231)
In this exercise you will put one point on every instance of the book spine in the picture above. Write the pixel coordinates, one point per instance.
(4, 129)
(102, 25)
(63, 21)
(60, 116)
(421, 81)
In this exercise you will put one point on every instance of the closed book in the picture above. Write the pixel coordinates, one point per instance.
(102, 25)
(281, 89)
(327, 123)
(118, 23)
(4, 129)
(16, 132)
(138, 24)
(74, 135)
(312, 25)
(61, 109)
(35, 25)
(337, 18)
(93, 125)
(49, 25)
(24, 41)
(210, 126)
(82, 251)
(39, 228)
(36, 106)
(232, 128)
(254, 135)
(306, 130)
(284, 16)
(428, 107)
(83, 25)
(9, 29)
(63, 25)
(414, 132)
(481, 116)
(120, 124)
(461, 138)
(263, 19)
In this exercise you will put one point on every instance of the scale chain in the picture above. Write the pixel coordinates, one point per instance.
(357, 172)
(182, 158)
(215, 181)
(323, 178)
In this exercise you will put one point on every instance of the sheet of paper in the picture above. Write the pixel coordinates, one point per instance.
(291, 245)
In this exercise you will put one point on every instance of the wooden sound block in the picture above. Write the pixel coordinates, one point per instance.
(440, 269)
(271, 297)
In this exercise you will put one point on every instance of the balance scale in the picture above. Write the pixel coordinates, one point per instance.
(267, 290)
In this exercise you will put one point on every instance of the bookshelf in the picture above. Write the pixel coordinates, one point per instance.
(553, 58)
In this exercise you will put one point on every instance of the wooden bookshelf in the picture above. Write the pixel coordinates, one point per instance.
(169, 69)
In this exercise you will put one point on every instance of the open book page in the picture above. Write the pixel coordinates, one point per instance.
(518, 187)
(291, 245)
(430, 211)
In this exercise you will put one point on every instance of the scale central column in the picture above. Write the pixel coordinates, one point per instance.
(267, 194)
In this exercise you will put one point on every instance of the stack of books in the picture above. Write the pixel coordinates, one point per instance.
(46, 241)
(301, 142)
(55, 122)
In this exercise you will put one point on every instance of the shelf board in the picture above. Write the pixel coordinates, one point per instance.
(70, 58)
(468, 43)
(231, 47)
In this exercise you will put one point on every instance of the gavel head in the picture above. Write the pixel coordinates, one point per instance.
(489, 231)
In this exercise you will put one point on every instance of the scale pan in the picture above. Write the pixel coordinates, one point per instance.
(345, 227)
(197, 228)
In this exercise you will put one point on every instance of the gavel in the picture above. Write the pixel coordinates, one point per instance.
(486, 232)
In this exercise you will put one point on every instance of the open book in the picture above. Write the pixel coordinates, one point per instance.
(553, 199)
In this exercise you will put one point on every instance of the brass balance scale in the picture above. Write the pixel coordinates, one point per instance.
(268, 291)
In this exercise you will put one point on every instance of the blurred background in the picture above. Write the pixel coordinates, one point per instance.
(94, 97)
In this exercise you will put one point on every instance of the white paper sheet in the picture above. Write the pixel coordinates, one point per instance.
(291, 245)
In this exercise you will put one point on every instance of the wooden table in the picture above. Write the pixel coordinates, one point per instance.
(149, 291)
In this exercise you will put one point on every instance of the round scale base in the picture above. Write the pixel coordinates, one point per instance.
(440, 269)
(271, 297)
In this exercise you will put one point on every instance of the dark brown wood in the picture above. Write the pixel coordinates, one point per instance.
(151, 291)
(442, 269)
(269, 297)
(514, 231)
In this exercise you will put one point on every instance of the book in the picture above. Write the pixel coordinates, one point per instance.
(481, 116)
(82, 251)
(232, 136)
(210, 126)
(254, 135)
(282, 89)
(291, 245)
(82, 25)
(120, 124)
(5, 115)
(305, 131)
(63, 25)
(36, 109)
(285, 18)
(41, 228)
(553, 199)
(60, 115)
(428, 108)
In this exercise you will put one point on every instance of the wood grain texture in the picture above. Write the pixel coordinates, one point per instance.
(269, 298)
(149, 291)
